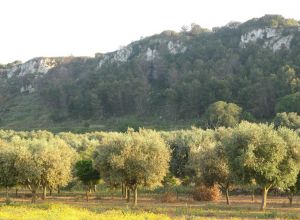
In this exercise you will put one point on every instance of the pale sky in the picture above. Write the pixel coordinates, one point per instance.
(32, 28)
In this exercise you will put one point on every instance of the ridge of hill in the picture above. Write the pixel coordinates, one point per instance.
(168, 79)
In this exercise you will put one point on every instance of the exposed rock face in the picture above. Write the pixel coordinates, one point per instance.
(29, 88)
(37, 65)
(121, 55)
(124, 54)
(176, 47)
(273, 38)
(282, 42)
(151, 54)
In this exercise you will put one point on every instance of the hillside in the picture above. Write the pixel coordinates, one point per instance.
(166, 79)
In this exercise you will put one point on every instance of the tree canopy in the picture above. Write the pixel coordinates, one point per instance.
(134, 158)
(259, 152)
(222, 114)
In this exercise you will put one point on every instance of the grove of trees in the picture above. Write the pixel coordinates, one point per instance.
(260, 155)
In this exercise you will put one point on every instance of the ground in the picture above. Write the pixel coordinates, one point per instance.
(149, 207)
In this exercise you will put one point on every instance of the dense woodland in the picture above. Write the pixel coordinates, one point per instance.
(180, 86)
(169, 87)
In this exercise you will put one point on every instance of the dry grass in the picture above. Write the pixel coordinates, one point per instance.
(185, 208)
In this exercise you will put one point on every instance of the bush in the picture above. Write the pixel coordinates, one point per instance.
(203, 193)
(170, 181)
(169, 197)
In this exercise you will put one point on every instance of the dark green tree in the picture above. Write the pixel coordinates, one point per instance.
(87, 174)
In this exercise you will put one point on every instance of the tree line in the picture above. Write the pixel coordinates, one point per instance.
(182, 86)
(246, 155)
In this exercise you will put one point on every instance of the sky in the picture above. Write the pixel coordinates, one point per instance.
(34, 28)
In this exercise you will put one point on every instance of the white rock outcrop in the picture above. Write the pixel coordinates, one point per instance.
(273, 38)
(29, 88)
(151, 54)
(37, 65)
(122, 55)
(282, 42)
(119, 56)
(176, 47)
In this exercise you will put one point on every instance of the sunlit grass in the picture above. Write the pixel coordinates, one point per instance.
(59, 212)
(72, 205)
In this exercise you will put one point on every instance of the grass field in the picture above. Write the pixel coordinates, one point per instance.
(74, 206)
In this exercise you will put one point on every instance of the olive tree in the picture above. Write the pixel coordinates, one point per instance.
(43, 163)
(56, 159)
(222, 114)
(292, 190)
(134, 158)
(180, 143)
(214, 165)
(293, 141)
(8, 172)
(82, 143)
(186, 146)
(202, 141)
(259, 152)
(290, 120)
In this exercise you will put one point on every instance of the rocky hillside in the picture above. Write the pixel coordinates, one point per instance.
(166, 77)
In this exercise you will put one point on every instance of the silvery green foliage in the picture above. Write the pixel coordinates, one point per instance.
(133, 158)
(258, 151)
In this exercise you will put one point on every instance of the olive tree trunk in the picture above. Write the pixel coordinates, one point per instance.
(128, 194)
(33, 193)
(225, 187)
(17, 192)
(264, 198)
(252, 195)
(44, 197)
(135, 196)
(290, 197)
(87, 195)
(7, 193)
(227, 196)
(33, 188)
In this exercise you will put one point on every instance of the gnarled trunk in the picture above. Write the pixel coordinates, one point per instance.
(252, 195)
(290, 197)
(125, 192)
(33, 187)
(7, 193)
(44, 193)
(135, 196)
(87, 195)
(264, 198)
(227, 196)
(33, 193)
(128, 194)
